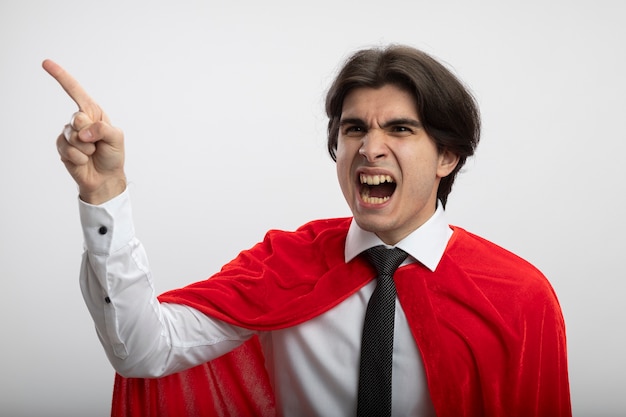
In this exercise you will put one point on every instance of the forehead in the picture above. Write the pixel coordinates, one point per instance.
(386, 101)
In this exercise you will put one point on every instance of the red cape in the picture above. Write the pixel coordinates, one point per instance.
(487, 323)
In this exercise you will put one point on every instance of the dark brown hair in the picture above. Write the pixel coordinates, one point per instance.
(447, 110)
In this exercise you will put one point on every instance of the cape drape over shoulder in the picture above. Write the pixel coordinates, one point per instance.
(487, 323)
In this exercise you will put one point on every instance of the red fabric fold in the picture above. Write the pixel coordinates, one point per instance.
(283, 281)
(235, 384)
(487, 324)
(490, 331)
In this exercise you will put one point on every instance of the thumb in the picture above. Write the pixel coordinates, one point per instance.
(102, 132)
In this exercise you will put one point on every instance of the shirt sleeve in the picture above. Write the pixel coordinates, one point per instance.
(142, 337)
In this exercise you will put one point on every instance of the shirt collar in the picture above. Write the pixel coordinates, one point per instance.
(426, 244)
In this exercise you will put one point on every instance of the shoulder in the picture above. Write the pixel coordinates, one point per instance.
(314, 230)
(488, 263)
(469, 248)
(322, 225)
(309, 250)
(324, 237)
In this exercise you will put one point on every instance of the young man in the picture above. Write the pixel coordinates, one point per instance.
(476, 330)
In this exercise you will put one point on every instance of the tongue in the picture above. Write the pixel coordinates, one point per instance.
(382, 190)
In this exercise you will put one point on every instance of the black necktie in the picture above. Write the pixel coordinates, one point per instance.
(377, 344)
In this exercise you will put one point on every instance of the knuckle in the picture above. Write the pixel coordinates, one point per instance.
(86, 148)
(74, 156)
(61, 143)
(74, 119)
(80, 120)
(67, 132)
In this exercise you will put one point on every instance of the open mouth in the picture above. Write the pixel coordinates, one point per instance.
(376, 189)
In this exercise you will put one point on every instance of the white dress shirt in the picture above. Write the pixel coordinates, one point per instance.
(313, 366)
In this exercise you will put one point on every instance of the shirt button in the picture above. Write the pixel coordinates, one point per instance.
(103, 230)
(107, 300)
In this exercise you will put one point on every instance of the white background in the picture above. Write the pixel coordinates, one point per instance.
(222, 106)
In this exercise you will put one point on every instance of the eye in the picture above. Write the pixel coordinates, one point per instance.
(401, 129)
(353, 130)
(403, 126)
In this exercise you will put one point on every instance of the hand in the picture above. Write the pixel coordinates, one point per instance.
(91, 149)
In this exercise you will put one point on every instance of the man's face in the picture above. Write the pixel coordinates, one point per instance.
(388, 167)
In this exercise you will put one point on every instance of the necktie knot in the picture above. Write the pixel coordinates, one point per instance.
(386, 260)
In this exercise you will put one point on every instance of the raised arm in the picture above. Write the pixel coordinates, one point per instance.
(141, 337)
(90, 147)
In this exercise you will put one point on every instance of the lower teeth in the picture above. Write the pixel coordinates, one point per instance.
(374, 200)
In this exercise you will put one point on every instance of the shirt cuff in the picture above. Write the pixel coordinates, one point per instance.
(109, 226)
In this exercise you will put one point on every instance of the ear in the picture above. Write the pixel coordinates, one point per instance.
(447, 163)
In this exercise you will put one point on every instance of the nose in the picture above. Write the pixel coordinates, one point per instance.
(373, 146)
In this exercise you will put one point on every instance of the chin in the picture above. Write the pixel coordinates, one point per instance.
(371, 224)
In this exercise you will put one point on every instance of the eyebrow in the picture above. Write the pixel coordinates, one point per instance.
(351, 121)
(393, 122)
(402, 121)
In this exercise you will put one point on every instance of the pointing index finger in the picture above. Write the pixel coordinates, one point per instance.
(73, 88)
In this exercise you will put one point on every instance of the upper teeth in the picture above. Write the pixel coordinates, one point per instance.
(375, 179)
